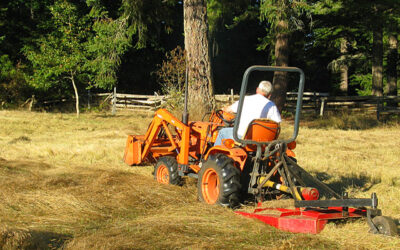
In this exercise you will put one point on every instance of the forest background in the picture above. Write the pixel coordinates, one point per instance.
(344, 47)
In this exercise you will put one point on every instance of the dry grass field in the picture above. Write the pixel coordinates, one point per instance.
(63, 185)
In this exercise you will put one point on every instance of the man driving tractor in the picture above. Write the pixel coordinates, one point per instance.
(254, 107)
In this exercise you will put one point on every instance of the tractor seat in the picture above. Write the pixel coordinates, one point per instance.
(262, 130)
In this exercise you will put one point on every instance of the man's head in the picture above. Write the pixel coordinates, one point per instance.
(264, 88)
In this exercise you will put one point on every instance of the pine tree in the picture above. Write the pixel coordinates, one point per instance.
(283, 17)
(201, 99)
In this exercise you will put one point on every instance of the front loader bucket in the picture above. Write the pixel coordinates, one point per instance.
(133, 150)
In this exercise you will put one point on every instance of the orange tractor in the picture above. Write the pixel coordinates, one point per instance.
(259, 165)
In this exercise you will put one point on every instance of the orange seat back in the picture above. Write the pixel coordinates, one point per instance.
(262, 130)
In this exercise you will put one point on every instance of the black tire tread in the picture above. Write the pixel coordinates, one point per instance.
(230, 179)
(172, 166)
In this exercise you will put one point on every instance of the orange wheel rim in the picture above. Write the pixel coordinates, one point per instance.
(162, 174)
(210, 186)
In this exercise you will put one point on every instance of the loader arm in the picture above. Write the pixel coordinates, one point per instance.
(161, 118)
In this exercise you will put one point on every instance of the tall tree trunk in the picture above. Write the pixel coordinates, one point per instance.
(392, 64)
(201, 96)
(76, 94)
(377, 61)
(281, 59)
(344, 69)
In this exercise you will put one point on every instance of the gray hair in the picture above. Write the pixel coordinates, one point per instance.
(265, 87)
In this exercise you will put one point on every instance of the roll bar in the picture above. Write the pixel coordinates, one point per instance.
(243, 93)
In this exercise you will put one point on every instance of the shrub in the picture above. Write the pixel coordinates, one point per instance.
(13, 86)
(171, 75)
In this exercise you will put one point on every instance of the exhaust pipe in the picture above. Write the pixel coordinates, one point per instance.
(185, 115)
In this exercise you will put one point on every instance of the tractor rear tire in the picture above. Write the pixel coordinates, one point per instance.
(166, 171)
(219, 182)
(385, 225)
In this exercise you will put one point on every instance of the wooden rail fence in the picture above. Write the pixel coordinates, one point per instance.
(316, 102)
(313, 102)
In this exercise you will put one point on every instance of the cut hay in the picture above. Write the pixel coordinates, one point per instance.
(67, 187)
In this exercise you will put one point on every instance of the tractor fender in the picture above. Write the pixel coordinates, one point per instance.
(238, 155)
(290, 153)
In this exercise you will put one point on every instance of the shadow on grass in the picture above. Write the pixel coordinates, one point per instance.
(31, 239)
(48, 240)
(22, 166)
(341, 184)
(125, 114)
(397, 222)
(343, 121)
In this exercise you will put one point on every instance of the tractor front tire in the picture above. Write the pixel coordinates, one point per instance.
(219, 182)
(385, 225)
(166, 171)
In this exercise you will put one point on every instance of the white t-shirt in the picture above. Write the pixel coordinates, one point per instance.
(254, 107)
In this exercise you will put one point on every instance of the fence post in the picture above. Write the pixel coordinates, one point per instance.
(89, 97)
(321, 111)
(315, 102)
(114, 102)
(378, 108)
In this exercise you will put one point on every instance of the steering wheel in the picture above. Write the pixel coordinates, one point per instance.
(220, 114)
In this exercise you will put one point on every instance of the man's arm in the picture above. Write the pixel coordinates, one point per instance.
(232, 108)
(228, 109)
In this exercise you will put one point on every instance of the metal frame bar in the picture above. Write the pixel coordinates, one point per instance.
(334, 203)
(243, 93)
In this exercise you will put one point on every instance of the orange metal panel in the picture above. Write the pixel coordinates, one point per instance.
(133, 150)
(183, 156)
(195, 168)
(238, 155)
